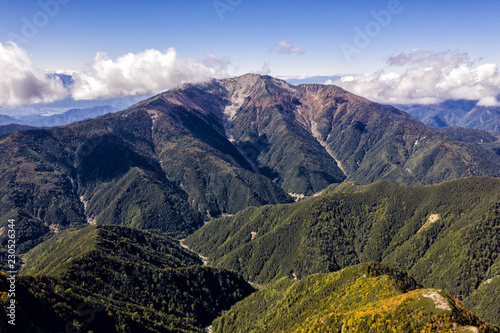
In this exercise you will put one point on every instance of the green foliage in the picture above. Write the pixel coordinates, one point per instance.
(363, 298)
(54, 255)
(116, 279)
(445, 235)
(484, 300)
(464, 134)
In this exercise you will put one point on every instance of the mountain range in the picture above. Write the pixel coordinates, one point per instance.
(59, 119)
(463, 113)
(272, 181)
(215, 148)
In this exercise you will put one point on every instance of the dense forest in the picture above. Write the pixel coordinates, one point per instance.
(119, 279)
(364, 298)
(446, 236)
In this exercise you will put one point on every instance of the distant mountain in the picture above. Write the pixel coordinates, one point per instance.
(66, 117)
(6, 120)
(118, 279)
(463, 113)
(61, 106)
(205, 150)
(364, 298)
(445, 235)
(4, 129)
(9, 124)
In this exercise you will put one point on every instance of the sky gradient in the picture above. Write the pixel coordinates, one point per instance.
(232, 37)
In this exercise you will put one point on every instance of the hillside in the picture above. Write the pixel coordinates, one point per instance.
(119, 279)
(488, 140)
(205, 150)
(364, 298)
(445, 235)
(470, 135)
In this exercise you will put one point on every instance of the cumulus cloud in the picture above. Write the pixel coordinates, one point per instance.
(20, 83)
(287, 48)
(142, 73)
(137, 74)
(428, 77)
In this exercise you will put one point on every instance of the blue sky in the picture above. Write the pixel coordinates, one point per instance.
(282, 38)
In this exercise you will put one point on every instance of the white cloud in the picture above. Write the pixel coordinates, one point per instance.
(488, 101)
(143, 73)
(287, 48)
(266, 70)
(428, 77)
(138, 74)
(20, 83)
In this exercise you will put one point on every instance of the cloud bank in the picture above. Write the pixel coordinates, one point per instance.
(423, 77)
(427, 78)
(20, 83)
(147, 72)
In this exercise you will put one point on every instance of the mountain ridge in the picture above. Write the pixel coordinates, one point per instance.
(367, 297)
(118, 279)
(463, 113)
(204, 150)
(444, 235)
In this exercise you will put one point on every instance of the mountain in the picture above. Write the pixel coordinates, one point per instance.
(66, 104)
(463, 113)
(325, 125)
(6, 120)
(4, 129)
(65, 117)
(484, 300)
(485, 139)
(118, 279)
(368, 141)
(446, 236)
(37, 120)
(364, 298)
(205, 150)
(470, 135)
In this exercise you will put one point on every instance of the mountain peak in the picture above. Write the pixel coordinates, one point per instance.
(250, 80)
(219, 147)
